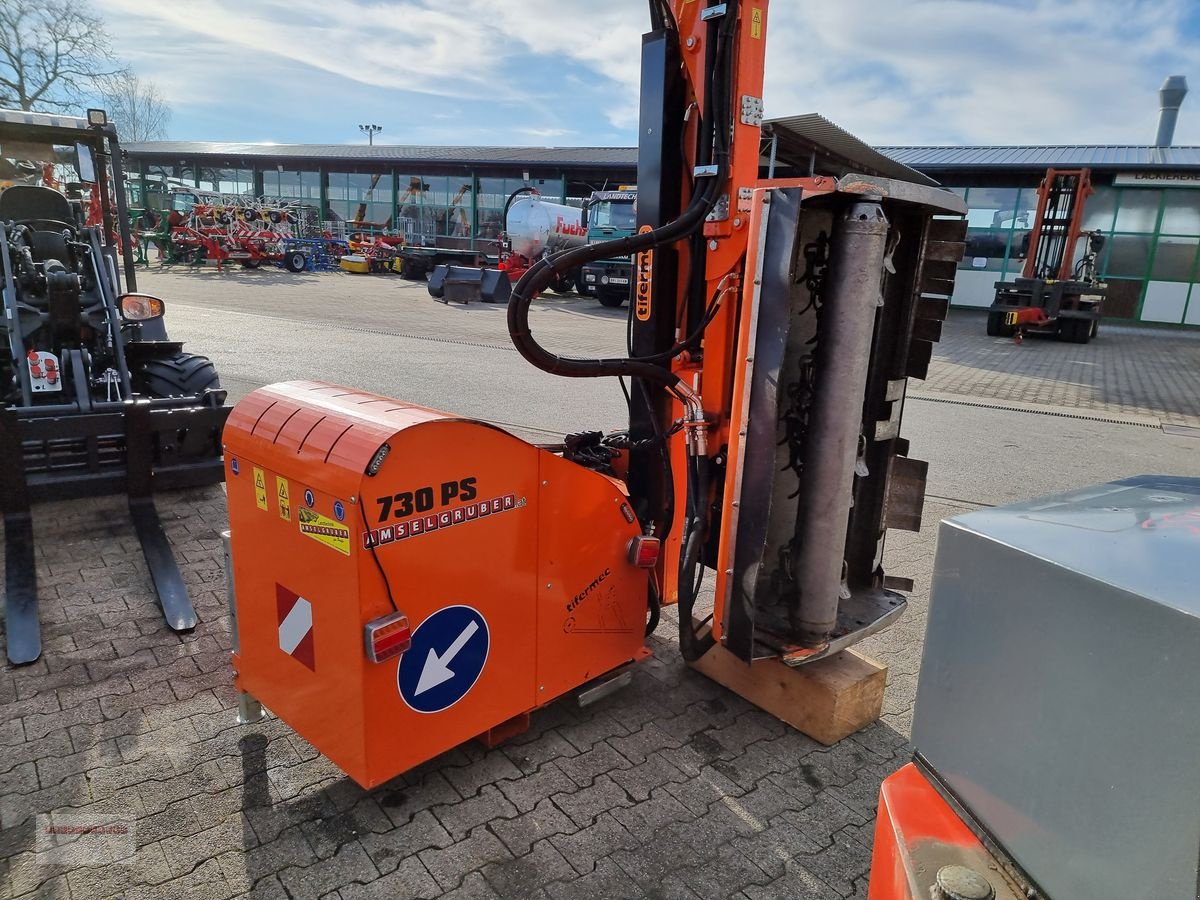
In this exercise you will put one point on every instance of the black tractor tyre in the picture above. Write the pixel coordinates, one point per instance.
(997, 327)
(1075, 331)
(177, 375)
(295, 261)
(251, 263)
(612, 301)
(563, 284)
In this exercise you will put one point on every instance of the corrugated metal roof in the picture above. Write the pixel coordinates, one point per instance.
(394, 153)
(801, 135)
(837, 151)
(1111, 156)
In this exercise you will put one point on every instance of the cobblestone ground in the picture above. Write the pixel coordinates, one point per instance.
(672, 788)
(1126, 372)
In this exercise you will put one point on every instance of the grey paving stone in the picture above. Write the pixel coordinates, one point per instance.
(493, 767)
(529, 757)
(607, 880)
(388, 848)
(644, 820)
(585, 804)
(349, 865)
(525, 793)
(473, 887)
(602, 758)
(259, 863)
(404, 798)
(523, 877)
(521, 833)
(585, 847)
(408, 880)
(450, 865)
(796, 884)
(726, 873)
(461, 817)
(327, 833)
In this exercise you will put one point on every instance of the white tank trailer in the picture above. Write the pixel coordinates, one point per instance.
(534, 227)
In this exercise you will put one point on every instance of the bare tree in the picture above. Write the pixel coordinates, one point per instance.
(52, 52)
(135, 106)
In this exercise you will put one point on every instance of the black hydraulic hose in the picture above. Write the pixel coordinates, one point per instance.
(542, 273)
(654, 604)
(691, 647)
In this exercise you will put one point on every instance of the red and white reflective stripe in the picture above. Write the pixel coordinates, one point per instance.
(295, 626)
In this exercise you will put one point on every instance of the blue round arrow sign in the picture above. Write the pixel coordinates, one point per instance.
(446, 658)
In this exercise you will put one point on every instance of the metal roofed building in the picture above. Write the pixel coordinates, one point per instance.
(1146, 202)
(1147, 198)
(458, 193)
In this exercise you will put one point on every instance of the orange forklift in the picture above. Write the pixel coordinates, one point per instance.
(1055, 294)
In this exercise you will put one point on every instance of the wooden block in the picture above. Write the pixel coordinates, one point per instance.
(826, 700)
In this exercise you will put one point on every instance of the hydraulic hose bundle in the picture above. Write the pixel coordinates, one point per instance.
(714, 136)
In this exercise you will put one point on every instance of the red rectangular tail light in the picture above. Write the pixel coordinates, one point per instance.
(643, 551)
(387, 636)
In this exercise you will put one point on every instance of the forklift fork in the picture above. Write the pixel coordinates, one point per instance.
(137, 479)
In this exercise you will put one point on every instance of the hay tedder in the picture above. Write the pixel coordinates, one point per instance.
(97, 399)
(195, 226)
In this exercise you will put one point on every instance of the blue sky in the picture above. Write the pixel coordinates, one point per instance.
(565, 72)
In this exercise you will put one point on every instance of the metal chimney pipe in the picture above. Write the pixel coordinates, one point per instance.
(1170, 98)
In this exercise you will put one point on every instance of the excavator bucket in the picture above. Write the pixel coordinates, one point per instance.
(462, 284)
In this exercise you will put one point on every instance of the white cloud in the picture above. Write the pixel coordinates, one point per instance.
(919, 71)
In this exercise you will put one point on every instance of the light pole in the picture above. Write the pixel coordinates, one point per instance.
(370, 131)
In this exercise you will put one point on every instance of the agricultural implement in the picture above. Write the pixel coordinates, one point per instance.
(409, 579)
(97, 399)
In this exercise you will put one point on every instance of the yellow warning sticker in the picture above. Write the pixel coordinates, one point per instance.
(281, 493)
(756, 23)
(260, 488)
(328, 531)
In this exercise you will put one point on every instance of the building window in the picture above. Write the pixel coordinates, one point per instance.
(1128, 255)
(1138, 210)
(227, 181)
(1100, 209)
(1174, 258)
(361, 199)
(1181, 212)
(292, 184)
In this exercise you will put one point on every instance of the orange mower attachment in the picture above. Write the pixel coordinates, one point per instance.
(405, 580)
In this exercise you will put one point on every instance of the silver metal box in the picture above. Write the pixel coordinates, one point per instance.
(1059, 697)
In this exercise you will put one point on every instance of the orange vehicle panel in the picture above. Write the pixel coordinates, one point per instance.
(474, 535)
(917, 833)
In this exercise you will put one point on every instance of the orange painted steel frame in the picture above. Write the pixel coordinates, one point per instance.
(728, 240)
(545, 568)
(916, 833)
(1084, 190)
(548, 572)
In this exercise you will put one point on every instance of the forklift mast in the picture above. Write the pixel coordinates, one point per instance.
(1057, 226)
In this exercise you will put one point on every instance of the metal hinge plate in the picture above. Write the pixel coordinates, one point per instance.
(752, 110)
